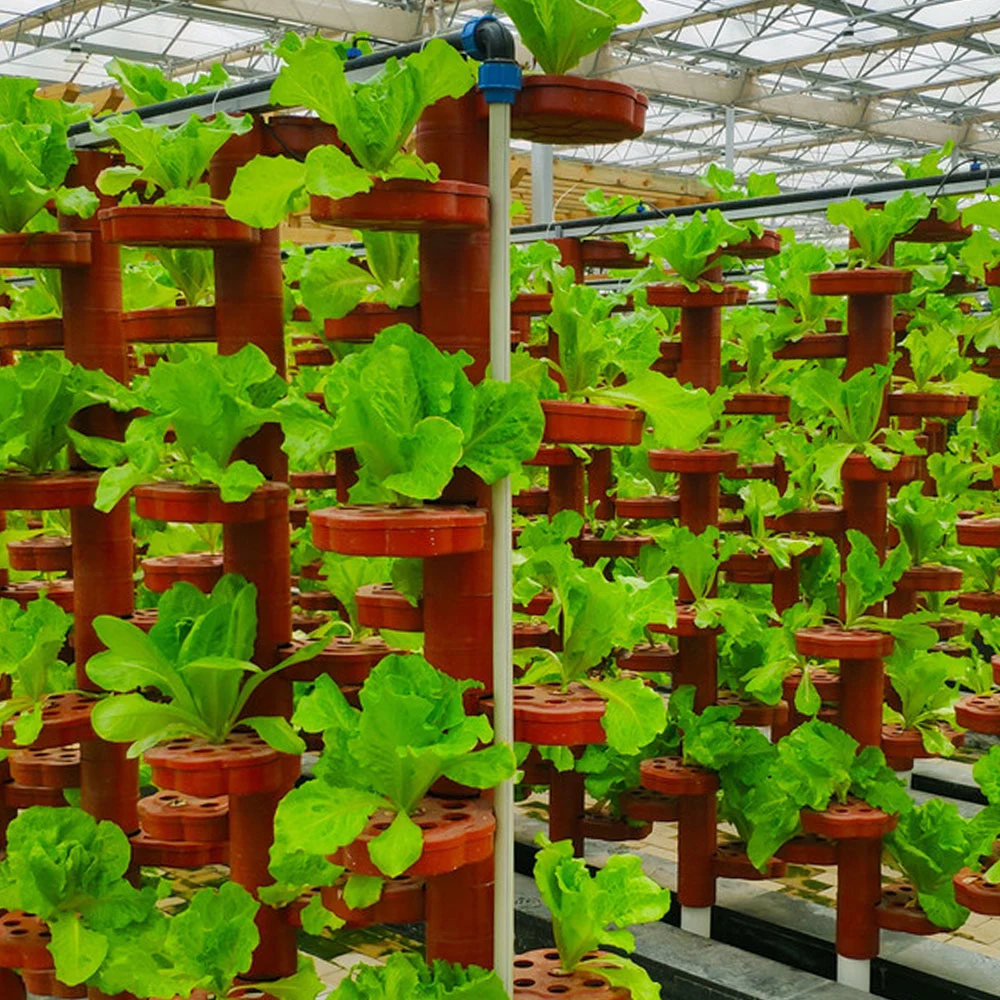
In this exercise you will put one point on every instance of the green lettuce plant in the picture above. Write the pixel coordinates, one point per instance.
(589, 911)
(723, 183)
(35, 156)
(408, 976)
(38, 397)
(30, 643)
(144, 84)
(926, 524)
(689, 248)
(874, 229)
(938, 364)
(197, 658)
(412, 416)
(169, 161)
(929, 165)
(799, 312)
(760, 501)
(211, 402)
(533, 267)
(411, 730)
(559, 33)
(750, 339)
(373, 118)
(927, 685)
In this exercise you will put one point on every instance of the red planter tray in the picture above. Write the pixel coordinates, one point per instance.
(648, 806)
(981, 532)
(295, 135)
(927, 404)
(859, 469)
(975, 893)
(56, 767)
(606, 253)
(596, 826)
(58, 591)
(24, 941)
(850, 820)
(47, 491)
(826, 682)
(403, 901)
(144, 618)
(346, 661)
(548, 717)
(202, 569)
(203, 505)
(531, 304)
(768, 244)
(979, 712)
(808, 849)
(314, 357)
(17, 796)
(753, 712)
(316, 480)
(298, 515)
(551, 456)
(685, 626)
(814, 345)
(933, 230)
(828, 643)
(985, 602)
(65, 720)
(171, 816)
(243, 765)
(528, 635)
(828, 520)
(590, 547)
(44, 249)
(936, 578)
(172, 325)
(147, 850)
(456, 834)
(42, 554)
(671, 776)
(679, 296)
(591, 423)
(538, 976)
(408, 206)
(538, 605)
(749, 567)
(531, 501)
(419, 532)
(380, 606)
(316, 600)
(900, 911)
(174, 226)
(867, 281)
(363, 323)
(648, 508)
(702, 461)
(907, 744)
(645, 659)
(573, 110)
(32, 334)
(759, 403)
(731, 861)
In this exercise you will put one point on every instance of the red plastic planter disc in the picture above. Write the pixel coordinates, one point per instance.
(546, 716)
(648, 508)
(409, 206)
(48, 491)
(65, 720)
(172, 325)
(814, 345)
(174, 226)
(702, 461)
(591, 423)
(874, 281)
(380, 606)
(202, 569)
(980, 713)
(648, 806)
(974, 892)
(981, 532)
(44, 249)
(731, 861)
(32, 334)
(828, 643)
(56, 767)
(456, 834)
(402, 902)
(419, 532)
(570, 110)
(363, 323)
(42, 554)
(900, 911)
(346, 661)
(203, 505)
(538, 974)
(927, 404)
(671, 776)
(171, 816)
(850, 820)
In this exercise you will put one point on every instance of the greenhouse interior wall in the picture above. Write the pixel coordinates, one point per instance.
(470, 528)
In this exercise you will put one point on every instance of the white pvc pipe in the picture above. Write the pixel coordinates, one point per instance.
(503, 601)
(854, 972)
(542, 188)
(697, 920)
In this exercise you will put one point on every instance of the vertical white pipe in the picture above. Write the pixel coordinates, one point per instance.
(854, 972)
(697, 920)
(503, 625)
(730, 138)
(542, 186)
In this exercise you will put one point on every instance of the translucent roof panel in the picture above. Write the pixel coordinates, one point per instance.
(817, 91)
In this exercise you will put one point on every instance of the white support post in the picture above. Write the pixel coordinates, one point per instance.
(542, 190)
(503, 626)
(697, 920)
(854, 972)
(730, 138)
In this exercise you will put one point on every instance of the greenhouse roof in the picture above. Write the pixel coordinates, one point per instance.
(820, 91)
